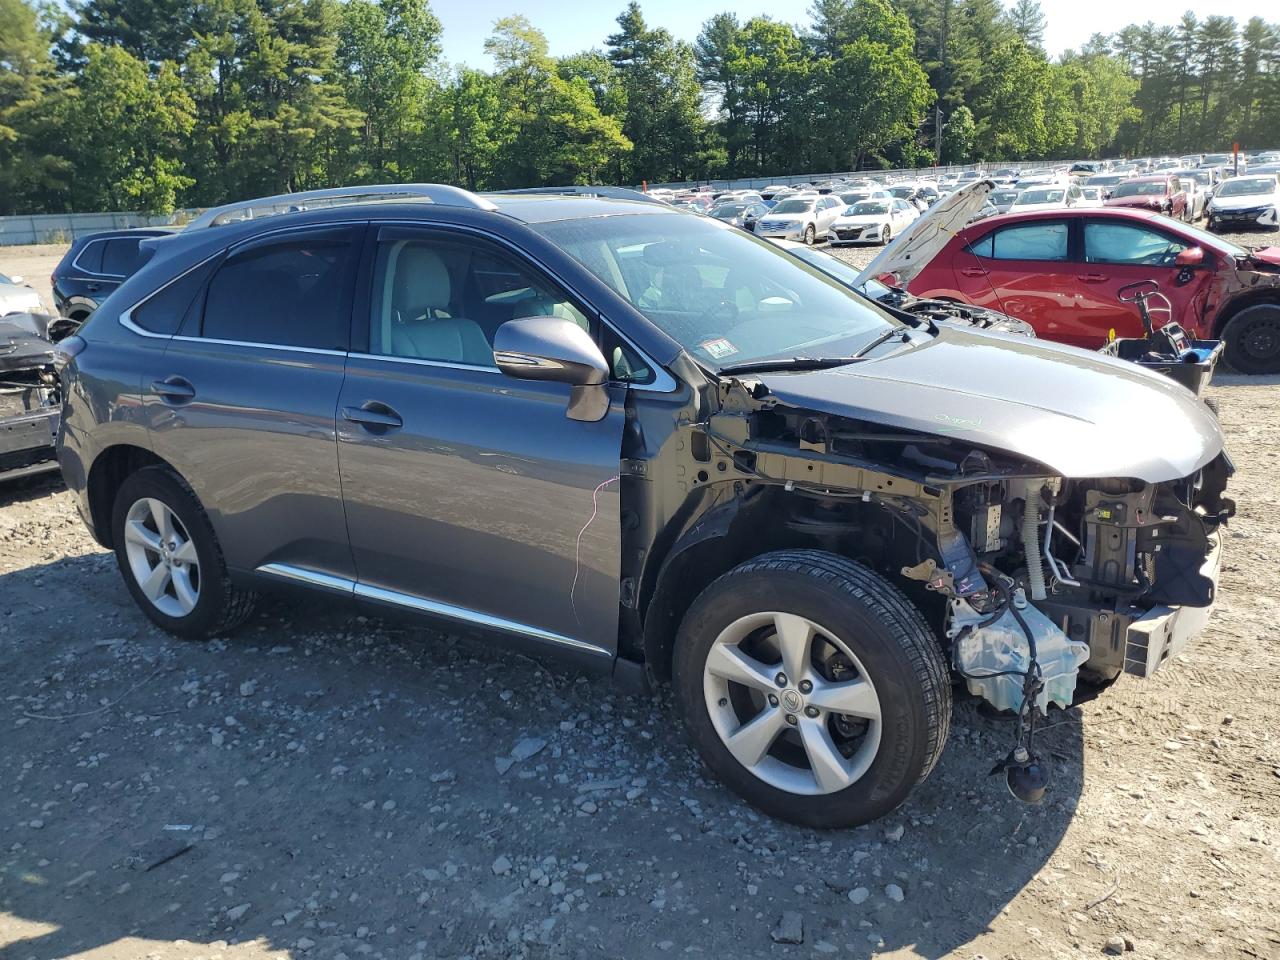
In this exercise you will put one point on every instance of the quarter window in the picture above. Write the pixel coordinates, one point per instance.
(294, 292)
(1027, 241)
(120, 257)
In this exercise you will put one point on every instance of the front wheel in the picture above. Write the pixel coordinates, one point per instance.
(812, 687)
(1252, 339)
(810, 235)
(170, 559)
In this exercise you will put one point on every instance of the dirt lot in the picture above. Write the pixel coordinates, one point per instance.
(323, 785)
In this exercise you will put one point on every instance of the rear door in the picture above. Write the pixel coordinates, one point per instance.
(1116, 252)
(469, 494)
(1024, 269)
(242, 401)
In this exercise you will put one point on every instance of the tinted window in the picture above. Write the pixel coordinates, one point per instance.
(90, 258)
(1127, 243)
(1028, 241)
(120, 258)
(293, 292)
(164, 311)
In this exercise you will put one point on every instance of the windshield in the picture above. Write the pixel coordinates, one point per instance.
(867, 208)
(724, 295)
(727, 211)
(1041, 196)
(793, 206)
(1151, 188)
(903, 193)
(1216, 159)
(1107, 179)
(852, 198)
(1244, 188)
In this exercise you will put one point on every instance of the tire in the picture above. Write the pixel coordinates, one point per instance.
(810, 235)
(1252, 339)
(209, 605)
(886, 235)
(884, 643)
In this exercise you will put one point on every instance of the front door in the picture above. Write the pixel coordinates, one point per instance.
(1116, 253)
(469, 494)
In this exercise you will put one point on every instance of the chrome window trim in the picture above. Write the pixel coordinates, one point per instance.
(328, 581)
(126, 316)
(92, 274)
(424, 362)
(280, 347)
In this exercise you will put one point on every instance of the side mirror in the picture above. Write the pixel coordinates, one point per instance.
(17, 281)
(1190, 257)
(557, 350)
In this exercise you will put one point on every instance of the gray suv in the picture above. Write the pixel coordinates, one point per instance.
(653, 445)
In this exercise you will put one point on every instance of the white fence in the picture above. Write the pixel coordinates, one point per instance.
(65, 227)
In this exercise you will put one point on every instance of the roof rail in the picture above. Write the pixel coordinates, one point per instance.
(612, 193)
(441, 193)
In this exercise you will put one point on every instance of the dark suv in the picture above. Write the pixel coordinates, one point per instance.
(657, 446)
(95, 265)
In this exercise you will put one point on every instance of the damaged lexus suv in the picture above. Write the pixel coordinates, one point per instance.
(654, 445)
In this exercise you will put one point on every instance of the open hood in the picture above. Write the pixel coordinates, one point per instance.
(24, 342)
(924, 239)
(1080, 414)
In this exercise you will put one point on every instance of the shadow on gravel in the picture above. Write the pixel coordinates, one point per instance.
(330, 785)
(29, 489)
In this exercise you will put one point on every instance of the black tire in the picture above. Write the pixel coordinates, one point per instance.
(887, 634)
(810, 235)
(221, 606)
(1252, 339)
(886, 236)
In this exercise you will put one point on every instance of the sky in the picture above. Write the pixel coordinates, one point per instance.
(573, 26)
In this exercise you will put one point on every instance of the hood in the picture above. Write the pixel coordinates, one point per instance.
(924, 239)
(15, 299)
(1149, 202)
(862, 219)
(1079, 413)
(1247, 201)
(23, 342)
(1268, 255)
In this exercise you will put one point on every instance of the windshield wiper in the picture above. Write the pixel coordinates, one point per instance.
(883, 338)
(787, 363)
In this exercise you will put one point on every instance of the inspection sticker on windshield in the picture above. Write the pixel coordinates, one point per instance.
(718, 349)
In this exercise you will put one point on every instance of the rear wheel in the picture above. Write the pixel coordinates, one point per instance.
(1252, 339)
(886, 235)
(170, 559)
(810, 235)
(812, 687)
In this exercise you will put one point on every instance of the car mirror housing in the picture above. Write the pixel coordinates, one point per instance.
(557, 350)
(1191, 257)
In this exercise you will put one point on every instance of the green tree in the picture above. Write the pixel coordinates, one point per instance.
(31, 165)
(961, 132)
(127, 130)
(1028, 22)
(384, 50)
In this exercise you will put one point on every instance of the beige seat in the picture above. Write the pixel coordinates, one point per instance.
(418, 324)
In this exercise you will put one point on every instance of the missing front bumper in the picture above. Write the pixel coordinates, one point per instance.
(1163, 631)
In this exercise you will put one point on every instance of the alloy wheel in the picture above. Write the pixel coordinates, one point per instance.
(162, 557)
(792, 703)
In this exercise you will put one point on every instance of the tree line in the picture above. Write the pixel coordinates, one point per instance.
(156, 104)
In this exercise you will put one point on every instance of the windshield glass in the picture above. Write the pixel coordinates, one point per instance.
(1152, 188)
(1106, 179)
(1215, 159)
(722, 294)
(793, 206)
(867, 208)
(852, 198)
(903, 193)
(4, 279)
(1244, 188)
(727, 211)
(1041, 196)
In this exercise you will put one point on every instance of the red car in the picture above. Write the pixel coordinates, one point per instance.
(1160, 194)
(1060, 271)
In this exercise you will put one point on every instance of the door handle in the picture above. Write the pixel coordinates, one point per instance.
(173, 389)
(1093, 277)
(373, 415)
(973, 272)
(93, 287)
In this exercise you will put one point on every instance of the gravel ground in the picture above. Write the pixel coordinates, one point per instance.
(325, 785)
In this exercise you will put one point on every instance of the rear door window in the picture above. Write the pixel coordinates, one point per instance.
(1042, 240)
(291, 291)
(90, 258)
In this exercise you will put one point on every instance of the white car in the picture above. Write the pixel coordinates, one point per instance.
(16, 297)
(1091, 196)
(1050, 197)
(801, 218)
(872, 221)
(1252, 201)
